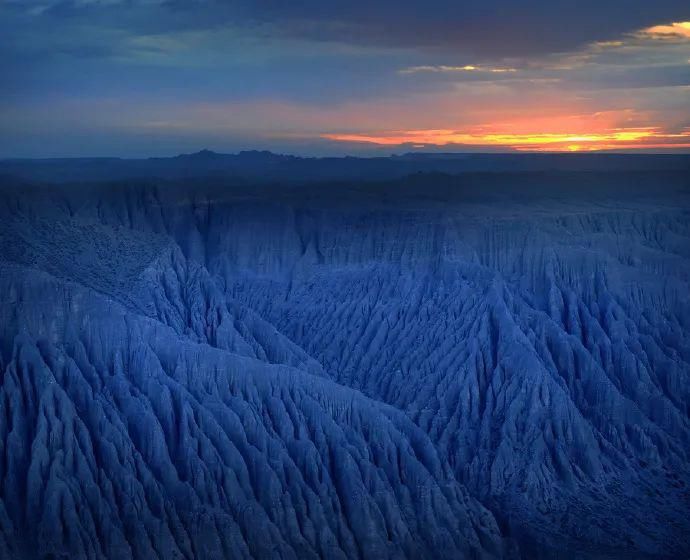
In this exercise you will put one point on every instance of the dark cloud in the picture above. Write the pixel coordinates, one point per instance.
(636, 77)
(486, 28)
(489, 28)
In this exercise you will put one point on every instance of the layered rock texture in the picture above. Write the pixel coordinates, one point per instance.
(487, 365)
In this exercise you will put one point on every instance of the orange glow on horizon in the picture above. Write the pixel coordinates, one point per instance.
(552, 119)
(615, 138)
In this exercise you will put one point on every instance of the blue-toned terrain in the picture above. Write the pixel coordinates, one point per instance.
(269, 357)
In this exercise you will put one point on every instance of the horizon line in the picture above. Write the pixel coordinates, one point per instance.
(206, 151)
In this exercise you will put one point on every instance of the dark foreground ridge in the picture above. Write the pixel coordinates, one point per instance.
(267, 167)
(488, 364)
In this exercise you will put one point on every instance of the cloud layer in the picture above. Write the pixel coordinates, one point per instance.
(155, 75)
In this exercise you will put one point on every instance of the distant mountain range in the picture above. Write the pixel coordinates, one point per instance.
(266, 166)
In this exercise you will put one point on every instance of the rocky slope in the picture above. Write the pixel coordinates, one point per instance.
(491, 366)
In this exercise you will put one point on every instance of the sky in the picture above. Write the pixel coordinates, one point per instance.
(138, 78)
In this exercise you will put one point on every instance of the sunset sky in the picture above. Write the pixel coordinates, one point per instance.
(145, 77)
